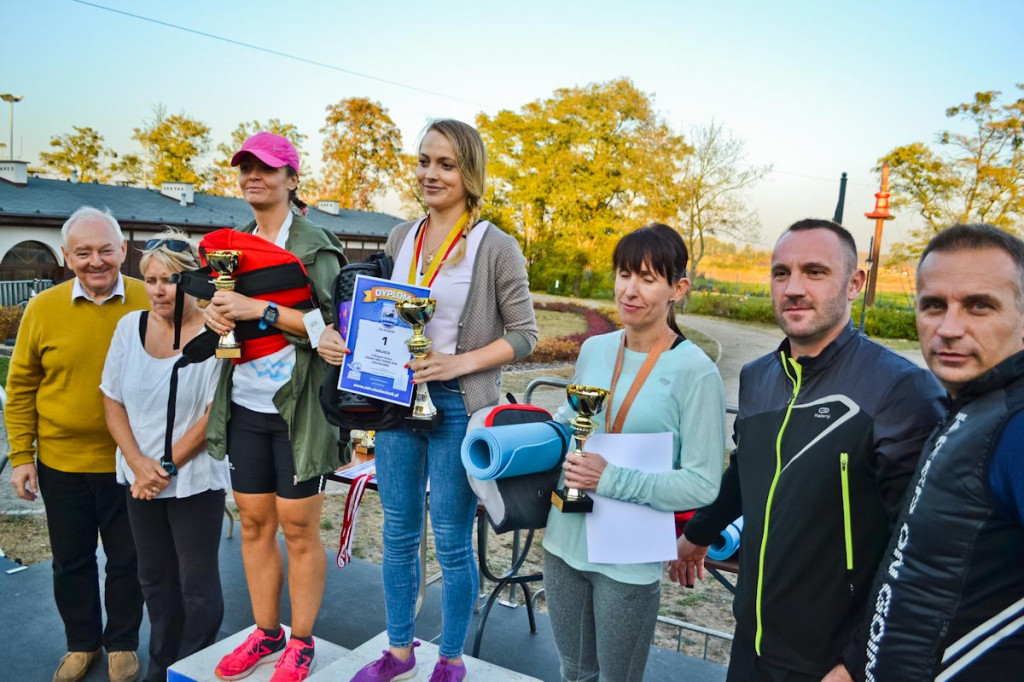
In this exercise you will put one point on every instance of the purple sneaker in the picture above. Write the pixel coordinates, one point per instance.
(388, 668)
(448, 672)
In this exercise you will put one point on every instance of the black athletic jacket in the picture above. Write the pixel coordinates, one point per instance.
(948, 600)
(825, 447)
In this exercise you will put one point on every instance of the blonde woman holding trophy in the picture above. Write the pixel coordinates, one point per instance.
(482, 318)
(603, 615)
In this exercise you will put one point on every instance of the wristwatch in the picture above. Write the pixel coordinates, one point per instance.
(269, 316)
(169, 467)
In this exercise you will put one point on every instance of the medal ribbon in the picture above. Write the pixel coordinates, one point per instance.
(447, 246)
(645, 369)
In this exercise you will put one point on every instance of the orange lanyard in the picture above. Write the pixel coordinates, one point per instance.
(638, 381)
(447, 246)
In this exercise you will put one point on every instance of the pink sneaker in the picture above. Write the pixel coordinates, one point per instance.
(389, 668)
(448, 672)
(294, 663)
(256, 650)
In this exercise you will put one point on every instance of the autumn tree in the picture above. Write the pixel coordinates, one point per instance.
(709, 191)
(408, 187)
(81, 151)
(975, 175)
(225, 178)
(360, 152)
(571, 173)
(173, 146)
(131, 168)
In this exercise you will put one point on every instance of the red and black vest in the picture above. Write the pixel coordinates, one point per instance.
(267, 272)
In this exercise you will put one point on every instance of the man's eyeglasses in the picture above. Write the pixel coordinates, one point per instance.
(175, 245)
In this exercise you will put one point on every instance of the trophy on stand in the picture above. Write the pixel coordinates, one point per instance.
(225, 263)
(417, 312)
(586, 401)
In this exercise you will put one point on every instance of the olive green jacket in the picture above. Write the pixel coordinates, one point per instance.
(314, 441)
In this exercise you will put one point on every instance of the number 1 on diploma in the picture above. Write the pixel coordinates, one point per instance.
(376, 368)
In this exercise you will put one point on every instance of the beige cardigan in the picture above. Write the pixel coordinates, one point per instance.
(498, 307)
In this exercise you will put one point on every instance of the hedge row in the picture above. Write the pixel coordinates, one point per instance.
(880, 322)
(10, 320)
(567, 348)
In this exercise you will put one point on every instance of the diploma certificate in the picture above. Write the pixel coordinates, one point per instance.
(375, 335)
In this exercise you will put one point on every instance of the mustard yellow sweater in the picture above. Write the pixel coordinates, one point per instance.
(53, 384)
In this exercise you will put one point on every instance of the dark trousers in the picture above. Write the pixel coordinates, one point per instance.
(746, 666)
(78, 506)
(177, 541)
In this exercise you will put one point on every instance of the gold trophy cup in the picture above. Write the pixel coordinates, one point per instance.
(586, 401)
(417, 312)
(225, 263)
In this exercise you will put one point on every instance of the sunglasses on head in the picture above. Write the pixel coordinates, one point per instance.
(175, 245)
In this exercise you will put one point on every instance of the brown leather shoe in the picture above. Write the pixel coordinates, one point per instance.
(74, 665)
(122, 666)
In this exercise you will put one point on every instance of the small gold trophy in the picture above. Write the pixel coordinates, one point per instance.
(586, 401)
(417, 312)
(364, 443)
(225, 263)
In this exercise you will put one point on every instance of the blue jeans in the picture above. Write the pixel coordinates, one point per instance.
(405, 460)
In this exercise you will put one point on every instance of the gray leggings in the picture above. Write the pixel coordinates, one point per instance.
(603, 628)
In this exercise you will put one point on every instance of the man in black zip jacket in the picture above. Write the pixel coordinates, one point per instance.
(829, 429)
(948, 598)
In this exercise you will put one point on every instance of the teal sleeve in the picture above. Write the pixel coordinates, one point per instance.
(698, 462)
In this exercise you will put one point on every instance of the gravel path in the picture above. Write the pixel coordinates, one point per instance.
(738, 344)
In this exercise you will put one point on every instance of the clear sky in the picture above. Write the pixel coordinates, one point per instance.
(815, 88)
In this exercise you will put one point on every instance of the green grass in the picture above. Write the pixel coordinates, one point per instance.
(4, 363)
(552, 325)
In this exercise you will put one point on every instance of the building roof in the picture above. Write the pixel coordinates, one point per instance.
(40, 198)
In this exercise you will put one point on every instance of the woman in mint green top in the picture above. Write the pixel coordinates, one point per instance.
(604, 615)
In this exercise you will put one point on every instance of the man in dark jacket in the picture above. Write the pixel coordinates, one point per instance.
(948, 598)
(829, 429)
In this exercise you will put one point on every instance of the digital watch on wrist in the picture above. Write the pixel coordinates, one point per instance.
(269, 316)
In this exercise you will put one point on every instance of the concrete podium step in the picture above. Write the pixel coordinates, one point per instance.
(332, 662)
(199, 666)
(343, 669)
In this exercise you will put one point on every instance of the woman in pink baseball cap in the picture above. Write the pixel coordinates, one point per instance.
(266, 417)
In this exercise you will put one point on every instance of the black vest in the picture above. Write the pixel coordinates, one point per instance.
(949, 595)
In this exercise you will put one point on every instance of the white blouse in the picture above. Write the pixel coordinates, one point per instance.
(141, 383)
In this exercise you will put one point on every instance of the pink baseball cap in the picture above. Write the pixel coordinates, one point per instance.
(271, 149)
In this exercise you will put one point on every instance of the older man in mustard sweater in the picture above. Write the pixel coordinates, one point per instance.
(60, 444)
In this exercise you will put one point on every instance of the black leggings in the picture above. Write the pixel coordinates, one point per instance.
(261, 457)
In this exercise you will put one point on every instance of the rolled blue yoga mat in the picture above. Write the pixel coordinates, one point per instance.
(728, 542)
(514, 449)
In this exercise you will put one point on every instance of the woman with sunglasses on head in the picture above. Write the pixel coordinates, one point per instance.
(266, 417)
(484, 319)
(175, 511)
(603, 615)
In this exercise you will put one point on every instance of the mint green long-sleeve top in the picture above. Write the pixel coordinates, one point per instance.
(682, 395)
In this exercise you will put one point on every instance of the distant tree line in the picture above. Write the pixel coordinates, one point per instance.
(570, 173)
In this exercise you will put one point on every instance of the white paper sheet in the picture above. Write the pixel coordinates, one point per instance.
(622, 532)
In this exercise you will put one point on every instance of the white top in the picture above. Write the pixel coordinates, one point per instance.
(141, 383)
(450, 290)
(255, 383)
(78, 291)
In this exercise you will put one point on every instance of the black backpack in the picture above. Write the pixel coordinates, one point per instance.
(344, 409)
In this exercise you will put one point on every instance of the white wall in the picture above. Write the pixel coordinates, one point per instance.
(12, 236)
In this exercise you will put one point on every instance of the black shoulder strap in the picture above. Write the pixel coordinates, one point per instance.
(196, 350)
(143, 320)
